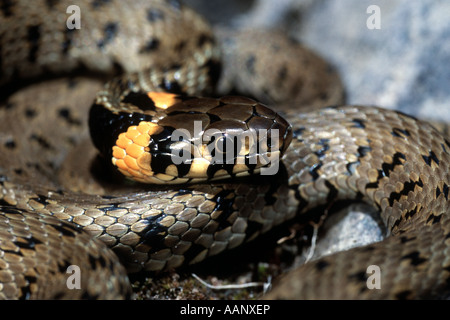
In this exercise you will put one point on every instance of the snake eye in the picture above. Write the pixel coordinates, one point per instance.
(224, 144)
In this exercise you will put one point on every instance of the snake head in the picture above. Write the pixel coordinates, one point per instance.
(190, 139)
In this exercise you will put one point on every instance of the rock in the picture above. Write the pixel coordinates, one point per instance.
(402, 65)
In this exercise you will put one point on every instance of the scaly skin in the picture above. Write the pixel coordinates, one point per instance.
(398, 164)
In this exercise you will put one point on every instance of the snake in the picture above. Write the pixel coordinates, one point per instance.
(66, 199)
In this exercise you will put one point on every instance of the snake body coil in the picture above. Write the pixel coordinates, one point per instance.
(49, 222)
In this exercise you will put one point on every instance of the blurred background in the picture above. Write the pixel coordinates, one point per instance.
(403, 65)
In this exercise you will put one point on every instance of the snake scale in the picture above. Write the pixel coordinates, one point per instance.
(56, 211)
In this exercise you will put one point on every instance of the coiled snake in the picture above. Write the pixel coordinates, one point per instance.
(55, 212)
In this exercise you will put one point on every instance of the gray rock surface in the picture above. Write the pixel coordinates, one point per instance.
(403, 65)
